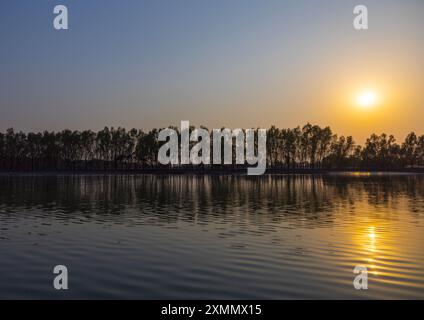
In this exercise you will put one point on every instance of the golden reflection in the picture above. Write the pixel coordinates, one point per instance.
(371, 242)
(361, 174)
(371, 248)
(371, 233)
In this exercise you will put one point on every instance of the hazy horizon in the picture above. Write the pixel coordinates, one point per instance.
(237, 64)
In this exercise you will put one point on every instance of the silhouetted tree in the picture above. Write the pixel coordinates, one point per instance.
(309, 147)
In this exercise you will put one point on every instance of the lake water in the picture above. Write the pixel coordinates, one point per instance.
(208, 237)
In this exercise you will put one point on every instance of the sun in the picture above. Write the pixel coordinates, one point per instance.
(367, 99)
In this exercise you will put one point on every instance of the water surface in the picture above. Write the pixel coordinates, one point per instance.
(212, 237)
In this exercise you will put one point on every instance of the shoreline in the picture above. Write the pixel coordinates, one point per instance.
(238, 171)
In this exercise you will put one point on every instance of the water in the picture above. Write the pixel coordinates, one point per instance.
(208, 237)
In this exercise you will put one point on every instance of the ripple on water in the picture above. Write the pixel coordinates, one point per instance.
(207, 237)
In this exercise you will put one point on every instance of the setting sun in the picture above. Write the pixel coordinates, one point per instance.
(367, 99)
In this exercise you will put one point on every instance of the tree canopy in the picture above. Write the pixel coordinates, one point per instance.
(310, 146)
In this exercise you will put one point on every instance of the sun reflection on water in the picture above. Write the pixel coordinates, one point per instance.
(371, 249)
(377, 247)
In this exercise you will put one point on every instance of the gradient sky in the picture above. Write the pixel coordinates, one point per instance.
(235, 63)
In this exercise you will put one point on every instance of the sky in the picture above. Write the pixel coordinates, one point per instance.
(233, 63)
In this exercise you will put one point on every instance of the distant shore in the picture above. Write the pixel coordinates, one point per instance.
(208, 171)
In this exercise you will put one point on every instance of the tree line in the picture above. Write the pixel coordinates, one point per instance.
(307, 147)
